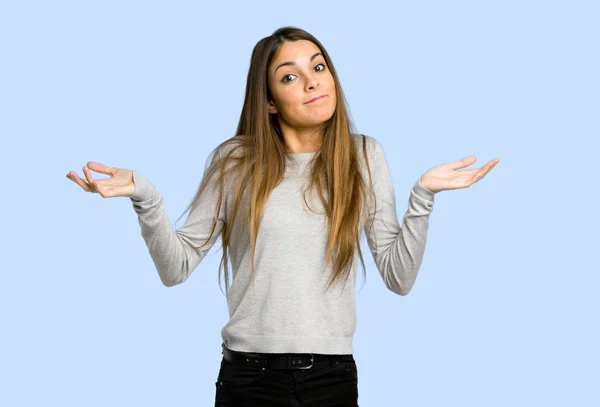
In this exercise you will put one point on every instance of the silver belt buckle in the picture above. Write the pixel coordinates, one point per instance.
(312, 361)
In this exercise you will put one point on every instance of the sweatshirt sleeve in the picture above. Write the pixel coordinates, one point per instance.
(397, 251)
(171, 250)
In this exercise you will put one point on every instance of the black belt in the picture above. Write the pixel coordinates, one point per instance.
(278, 360)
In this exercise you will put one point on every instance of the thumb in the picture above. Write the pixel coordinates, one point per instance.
(464, 162)
(101, 168)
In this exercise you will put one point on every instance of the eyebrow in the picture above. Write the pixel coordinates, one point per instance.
(294, 63)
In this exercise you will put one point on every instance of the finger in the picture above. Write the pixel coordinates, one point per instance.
(479, 173)
(75, 178)
(98, 167)
(485, 168)
(91, 181)
(468, 173)
(491, 164)
(482, 172)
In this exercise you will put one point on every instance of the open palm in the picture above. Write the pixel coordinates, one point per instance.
(120, 182)
(447, 176)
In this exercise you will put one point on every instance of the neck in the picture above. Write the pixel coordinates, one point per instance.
(301, 140)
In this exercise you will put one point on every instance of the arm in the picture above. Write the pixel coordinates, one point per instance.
(171, 251)
(397, 251)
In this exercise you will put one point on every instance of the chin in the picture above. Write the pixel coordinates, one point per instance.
(321, 118)
(313, 122)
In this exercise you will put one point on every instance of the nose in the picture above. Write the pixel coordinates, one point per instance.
(312, 83)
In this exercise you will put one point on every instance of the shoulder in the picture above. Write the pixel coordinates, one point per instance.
(232, 147)
(225, 148)
(370, 145)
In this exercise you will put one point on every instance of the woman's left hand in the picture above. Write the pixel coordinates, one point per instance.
(447, 176)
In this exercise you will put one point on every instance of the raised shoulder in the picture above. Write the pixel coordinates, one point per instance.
(233, 146)
(374, 148)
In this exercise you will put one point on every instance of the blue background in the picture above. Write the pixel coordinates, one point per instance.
(505, 309)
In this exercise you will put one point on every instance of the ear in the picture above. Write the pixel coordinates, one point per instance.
(271, 107)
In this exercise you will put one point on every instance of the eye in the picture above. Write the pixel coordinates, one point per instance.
(283, 80)
(318, 70)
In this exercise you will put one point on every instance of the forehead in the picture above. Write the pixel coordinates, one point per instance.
(295, 51)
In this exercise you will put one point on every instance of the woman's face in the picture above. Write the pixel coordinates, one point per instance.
(296, 75)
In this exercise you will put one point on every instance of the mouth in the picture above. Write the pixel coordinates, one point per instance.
(315, 99)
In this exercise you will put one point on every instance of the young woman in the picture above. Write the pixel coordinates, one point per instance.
(289, 195)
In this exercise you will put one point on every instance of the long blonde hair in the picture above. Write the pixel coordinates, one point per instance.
(259, 164)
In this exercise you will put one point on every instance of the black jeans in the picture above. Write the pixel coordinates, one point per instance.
(328, 383)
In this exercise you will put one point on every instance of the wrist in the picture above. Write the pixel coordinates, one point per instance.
(425, 185)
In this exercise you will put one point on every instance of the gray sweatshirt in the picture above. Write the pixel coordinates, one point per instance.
(286, 308)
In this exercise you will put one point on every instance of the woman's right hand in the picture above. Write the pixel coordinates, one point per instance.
(120, 182)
